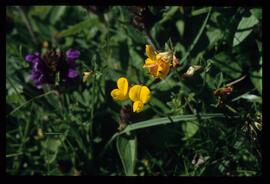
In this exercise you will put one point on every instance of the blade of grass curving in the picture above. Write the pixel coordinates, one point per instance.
(162, 121)
(166, 120)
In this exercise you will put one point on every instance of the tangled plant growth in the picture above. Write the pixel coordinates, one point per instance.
(135, 90)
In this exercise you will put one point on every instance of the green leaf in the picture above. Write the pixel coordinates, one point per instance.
(219, 78)
(168, 15)
(40, 11)
(77, 28)
(252, 98)
(164, 85)
(56, 13)
(158, 103)
(227, 64)
(51, 147)
(190, 128)
(167, 120)
(199, 11)
(127, 149)
(256, 79)
(214, 35)
(244, 29)
(180, 24)
(257, 12)
(136, 35)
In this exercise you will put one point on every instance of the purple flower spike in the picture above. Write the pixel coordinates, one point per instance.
(72, 73)
(46, 68)
(72, 54)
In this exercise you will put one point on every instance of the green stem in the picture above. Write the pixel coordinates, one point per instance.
(183, 60)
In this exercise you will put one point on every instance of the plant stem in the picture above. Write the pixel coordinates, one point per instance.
(196, 38)
(149, 39)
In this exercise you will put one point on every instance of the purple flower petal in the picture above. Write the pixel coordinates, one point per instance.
(32, 57)
(39, 85)
(72, 54)
(40, 81)
(35, 75)
(72, 73)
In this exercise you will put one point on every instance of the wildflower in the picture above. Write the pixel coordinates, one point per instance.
(122, 92)
(139, 95)
(53, 66)
(159, 64)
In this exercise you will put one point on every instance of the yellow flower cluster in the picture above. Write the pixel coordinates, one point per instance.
(139, 94)
(159, 64)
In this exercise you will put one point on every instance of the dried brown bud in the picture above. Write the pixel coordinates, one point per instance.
(221, 91)
(126, 115)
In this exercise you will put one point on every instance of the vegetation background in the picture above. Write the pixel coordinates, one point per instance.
(185, 130)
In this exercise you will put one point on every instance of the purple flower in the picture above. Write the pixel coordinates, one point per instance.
(33, 58)
(72, 73)
(72, 54)
(46, 67)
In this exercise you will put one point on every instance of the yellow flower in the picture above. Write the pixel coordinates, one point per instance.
(122, 92)
(139, 95)
(159, 64)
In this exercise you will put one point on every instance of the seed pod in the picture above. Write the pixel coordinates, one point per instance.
(221, 91)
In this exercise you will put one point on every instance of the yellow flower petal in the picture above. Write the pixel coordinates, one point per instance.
(137, 106)
(150, 52)
(118, 95)
(134, 93)
(145, 94)
(165, 56)
(163, 69)
(149, 61)
(122, 84)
